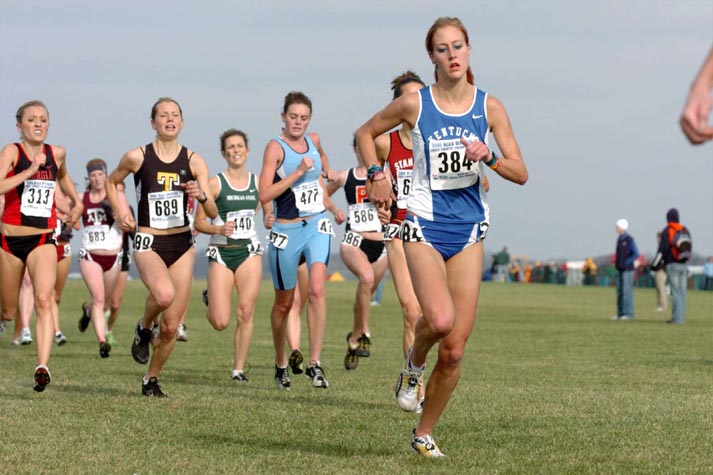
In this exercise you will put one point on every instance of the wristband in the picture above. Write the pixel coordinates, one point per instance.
(205, 198)
(373, 170)
(377, 174)
(493, 160)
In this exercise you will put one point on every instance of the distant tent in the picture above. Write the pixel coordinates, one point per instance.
(335, 276)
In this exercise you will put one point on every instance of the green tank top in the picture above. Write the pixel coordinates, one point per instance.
(237, 205)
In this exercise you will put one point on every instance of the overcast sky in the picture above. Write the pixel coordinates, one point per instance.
(593, 90)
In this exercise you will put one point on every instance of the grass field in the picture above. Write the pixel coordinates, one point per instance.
(549, 385)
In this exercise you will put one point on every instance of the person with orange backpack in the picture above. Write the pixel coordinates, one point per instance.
(675, 248)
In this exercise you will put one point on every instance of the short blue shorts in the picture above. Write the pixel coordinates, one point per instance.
(311, 238)
(448, 239)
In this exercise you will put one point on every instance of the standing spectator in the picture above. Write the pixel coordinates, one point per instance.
(502, 265)
(658, 266)
(625, 263)
(590, 272)
(675, 249)
(538, 273)
(551, 273)
(708, 273)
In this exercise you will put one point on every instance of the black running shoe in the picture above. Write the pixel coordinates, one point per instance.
(85, 318)
(240, 378)
(295, 362)
(104, 349)
(140, 345)
(152, 389)
(282, 378)
(42, 378)
(364, 346)
(351, 360)
(316, 375)
(204, 296)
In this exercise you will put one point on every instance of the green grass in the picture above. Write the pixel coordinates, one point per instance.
(549, 385)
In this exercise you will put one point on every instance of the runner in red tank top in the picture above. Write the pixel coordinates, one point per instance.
(28, 173)
(395, 149)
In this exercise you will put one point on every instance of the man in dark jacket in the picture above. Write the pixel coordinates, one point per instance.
(626, 254)
(675, 250)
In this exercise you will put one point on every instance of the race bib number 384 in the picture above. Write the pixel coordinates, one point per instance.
(449, 168)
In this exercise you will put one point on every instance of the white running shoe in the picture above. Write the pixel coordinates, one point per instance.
(26, 337)
(419, 409)
(60, 339)
(408, 386)
(181, 334)
(425, 446)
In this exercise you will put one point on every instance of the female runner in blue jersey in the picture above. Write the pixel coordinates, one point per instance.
(447, 212)
(292, 177)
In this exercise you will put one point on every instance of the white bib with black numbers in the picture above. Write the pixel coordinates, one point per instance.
(143, 242)
(403, 187)
(166, 209)
(244, 220)
(391, 232)
(95, 237)
(324, 226)
(37, 198)
(278, 240)
(309, 197)
(449, 168)
(363, 217)
(352, 239)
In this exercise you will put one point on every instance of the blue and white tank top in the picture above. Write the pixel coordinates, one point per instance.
(305, 197)
(447, 188)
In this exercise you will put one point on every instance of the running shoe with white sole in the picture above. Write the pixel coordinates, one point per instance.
(26, 337)
(42, 378)
(419, 408)
(282, 378)
(181, 334)
(316, 375)
(425, 446)
(239, 377)
(408, 386)
(60, 339)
